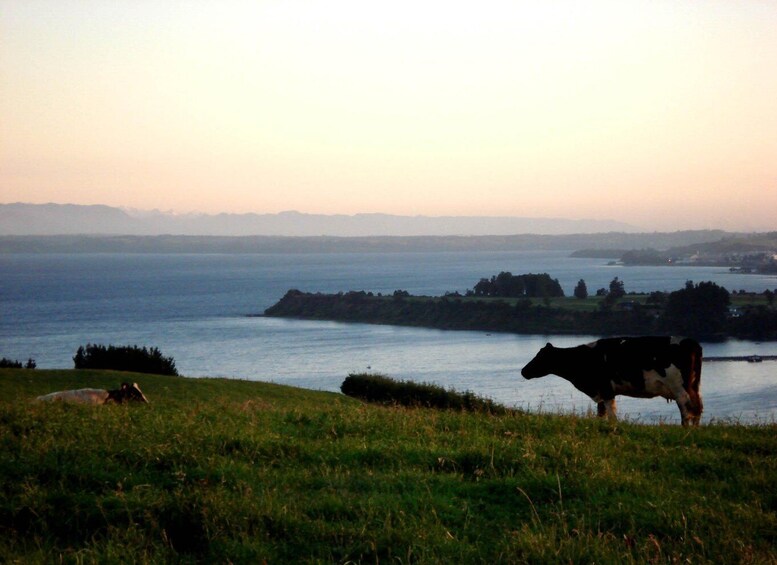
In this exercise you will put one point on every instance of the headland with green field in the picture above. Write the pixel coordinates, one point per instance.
(705, 311)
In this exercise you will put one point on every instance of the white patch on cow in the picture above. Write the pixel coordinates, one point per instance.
(670, 386)
(675, 340)
(656, 385)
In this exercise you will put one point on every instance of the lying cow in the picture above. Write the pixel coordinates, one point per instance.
(643, 367)
(127, 393)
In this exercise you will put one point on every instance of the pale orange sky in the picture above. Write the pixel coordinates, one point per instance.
(659, 114)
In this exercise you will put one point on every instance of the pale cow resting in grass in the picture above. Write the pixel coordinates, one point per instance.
(642, 367)
(127, 393)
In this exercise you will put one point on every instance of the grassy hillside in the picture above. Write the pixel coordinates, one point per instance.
(232, 471)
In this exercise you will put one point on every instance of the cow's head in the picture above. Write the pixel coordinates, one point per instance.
(540, 365)
(127, 393)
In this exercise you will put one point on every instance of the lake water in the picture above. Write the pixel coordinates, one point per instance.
(195, 307)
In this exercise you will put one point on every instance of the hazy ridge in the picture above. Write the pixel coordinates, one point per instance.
(55, 228)
(70, 219)
(327, 244)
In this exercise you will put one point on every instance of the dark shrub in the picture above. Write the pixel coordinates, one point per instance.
(126, 358)
(507, 285)
(385, 390)
(6, 363)
(699, 310)
(581, 290)
(757, 323)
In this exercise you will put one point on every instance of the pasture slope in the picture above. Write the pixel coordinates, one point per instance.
(217, 470)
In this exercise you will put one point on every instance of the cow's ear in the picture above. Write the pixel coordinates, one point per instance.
(549, 345)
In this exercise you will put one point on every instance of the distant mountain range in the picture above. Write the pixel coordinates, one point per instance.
(609, 245)
(70, 219)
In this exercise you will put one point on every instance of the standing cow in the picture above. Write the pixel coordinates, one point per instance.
(642, 367)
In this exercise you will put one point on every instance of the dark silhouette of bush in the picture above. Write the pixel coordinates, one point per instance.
(385, 390)
(758, 323)
(581, 290)
(6, 363)
(617, 288)
(507, 285)
(125, 358)
(699, 310)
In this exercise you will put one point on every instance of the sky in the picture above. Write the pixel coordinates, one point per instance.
(661, 114)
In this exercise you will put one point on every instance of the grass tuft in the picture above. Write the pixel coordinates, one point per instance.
(385, 390)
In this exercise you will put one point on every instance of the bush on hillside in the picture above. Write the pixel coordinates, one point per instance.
(6, 363)
(385, 390)
(125, 358)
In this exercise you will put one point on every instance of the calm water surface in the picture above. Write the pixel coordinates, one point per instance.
(194, 307)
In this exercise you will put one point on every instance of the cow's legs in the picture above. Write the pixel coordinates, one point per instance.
(606, 408)
(683, 403)
(683, 412)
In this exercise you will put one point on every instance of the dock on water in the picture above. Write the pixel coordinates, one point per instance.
(748, 358)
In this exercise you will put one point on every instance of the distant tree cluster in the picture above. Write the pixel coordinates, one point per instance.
(507, 285)
(616, 291)
(6, 363)
(700, 309)
(617, 288)
(124, 358)
(581, 290)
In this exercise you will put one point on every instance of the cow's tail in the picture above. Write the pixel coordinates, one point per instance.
(694, 383)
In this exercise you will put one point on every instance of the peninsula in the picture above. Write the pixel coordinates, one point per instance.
(705, 311)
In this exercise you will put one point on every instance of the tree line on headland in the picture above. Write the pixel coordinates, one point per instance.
(535, 304)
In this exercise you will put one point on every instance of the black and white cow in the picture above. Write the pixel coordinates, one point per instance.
(126, 393)
(643, 367)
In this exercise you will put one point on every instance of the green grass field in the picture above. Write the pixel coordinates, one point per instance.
(223, 471)
(593, 303)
